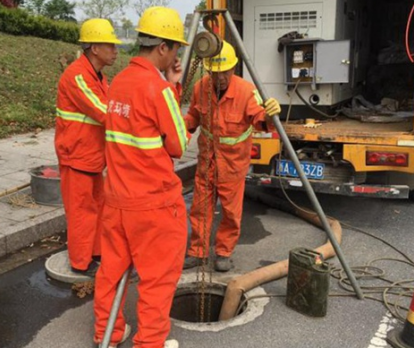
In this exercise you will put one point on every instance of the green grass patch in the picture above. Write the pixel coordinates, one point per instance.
(30, 71)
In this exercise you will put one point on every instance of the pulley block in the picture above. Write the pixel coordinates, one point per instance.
(207, 44)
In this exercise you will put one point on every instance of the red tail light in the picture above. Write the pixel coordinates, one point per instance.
(397, 159)
(255, 151)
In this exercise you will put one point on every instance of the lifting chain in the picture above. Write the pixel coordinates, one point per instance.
(187, 87)
(186, 95)
(215, 169)
(201, 269)
(210, 165)
(211, 119)
(201, 290)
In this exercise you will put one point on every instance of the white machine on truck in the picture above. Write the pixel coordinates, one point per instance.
(342, 74)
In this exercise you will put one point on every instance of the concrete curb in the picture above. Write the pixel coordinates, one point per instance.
(25, 233)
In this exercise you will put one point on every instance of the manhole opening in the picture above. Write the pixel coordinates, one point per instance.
(188, 300)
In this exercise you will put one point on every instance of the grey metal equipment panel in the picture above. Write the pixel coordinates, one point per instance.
(332, 61)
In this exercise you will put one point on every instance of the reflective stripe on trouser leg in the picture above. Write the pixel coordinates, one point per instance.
(115, 260)
(82, 199)
(200, 223)
(228, 232)
(407, 335)
(157, 240)
(98, 194)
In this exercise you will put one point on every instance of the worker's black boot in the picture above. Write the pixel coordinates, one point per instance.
(192, 261)
(90, 272)
(222, 264)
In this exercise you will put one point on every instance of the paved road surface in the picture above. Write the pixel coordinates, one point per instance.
(38, 313)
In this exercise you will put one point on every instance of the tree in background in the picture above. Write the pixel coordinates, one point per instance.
(60, 10)
(11, 3)
(127, 26)
(7, 3)
(53, 9)
(36, 7)
(103, 8)
(141, 5)
(202, 5)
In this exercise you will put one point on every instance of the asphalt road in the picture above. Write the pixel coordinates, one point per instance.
(36, 312)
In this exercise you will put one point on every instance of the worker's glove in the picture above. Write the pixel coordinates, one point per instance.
(272, 107)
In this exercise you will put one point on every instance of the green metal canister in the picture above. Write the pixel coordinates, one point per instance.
(308, 282)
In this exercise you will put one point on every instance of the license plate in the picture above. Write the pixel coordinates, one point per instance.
(313, 170)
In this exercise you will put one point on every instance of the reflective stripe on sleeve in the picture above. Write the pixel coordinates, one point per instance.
(258, 97)
(177, 118)
(76, 117)
(92, 97)
(130, 140)
(230, 140)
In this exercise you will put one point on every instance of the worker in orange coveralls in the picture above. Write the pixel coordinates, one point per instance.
(144, 214)
(80, 141)
(224, 154)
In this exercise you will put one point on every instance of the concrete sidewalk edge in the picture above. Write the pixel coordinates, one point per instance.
(48, 224)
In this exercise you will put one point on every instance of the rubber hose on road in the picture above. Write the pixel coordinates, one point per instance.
(241, 284)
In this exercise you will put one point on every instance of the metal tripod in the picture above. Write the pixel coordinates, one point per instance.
(252, 70)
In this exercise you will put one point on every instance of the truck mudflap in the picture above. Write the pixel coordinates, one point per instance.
(343, 189)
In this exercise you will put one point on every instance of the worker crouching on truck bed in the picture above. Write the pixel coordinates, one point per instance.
(144, 214)
(80, 142)
(227, 110)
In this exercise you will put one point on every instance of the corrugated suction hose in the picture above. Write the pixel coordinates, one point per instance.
(241, 284)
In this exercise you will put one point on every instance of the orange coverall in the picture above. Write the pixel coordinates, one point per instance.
(80, 145)
(224, 145)
(144, 216)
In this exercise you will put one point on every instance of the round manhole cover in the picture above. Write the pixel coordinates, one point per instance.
(58, 267)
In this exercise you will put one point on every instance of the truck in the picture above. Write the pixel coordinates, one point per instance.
(343, 73)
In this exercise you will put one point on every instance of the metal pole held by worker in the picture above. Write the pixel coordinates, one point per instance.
(115, 309)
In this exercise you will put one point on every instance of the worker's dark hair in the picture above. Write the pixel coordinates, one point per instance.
(169, 43)
(86, 46)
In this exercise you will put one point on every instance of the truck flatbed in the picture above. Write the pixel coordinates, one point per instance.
(346, 130)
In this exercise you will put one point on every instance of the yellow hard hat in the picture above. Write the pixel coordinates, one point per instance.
(224, 61)
(98, 30)
(162, 22)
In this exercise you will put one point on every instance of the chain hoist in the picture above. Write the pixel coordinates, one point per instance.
(206, 45)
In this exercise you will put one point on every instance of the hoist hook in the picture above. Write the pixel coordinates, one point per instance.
(212, 17)
(208, 43)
